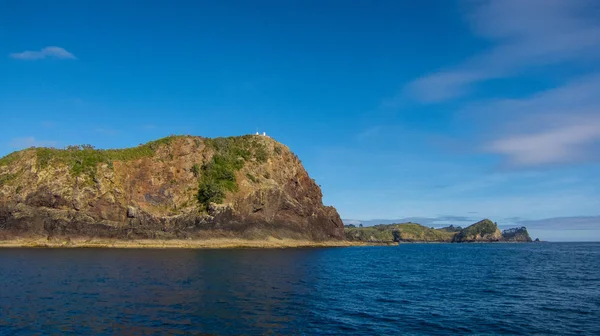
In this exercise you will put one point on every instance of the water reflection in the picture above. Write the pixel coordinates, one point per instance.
(216, 291)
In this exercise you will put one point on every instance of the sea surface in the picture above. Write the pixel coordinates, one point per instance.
(434, 289)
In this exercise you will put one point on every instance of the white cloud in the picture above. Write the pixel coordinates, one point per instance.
(26, 142)
(560, 145)
(563, 223)
(525, 34)
(47, 52)
(560, 125)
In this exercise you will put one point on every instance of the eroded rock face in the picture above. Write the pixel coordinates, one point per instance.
(516, 235)
(152, 193)
(482, 231)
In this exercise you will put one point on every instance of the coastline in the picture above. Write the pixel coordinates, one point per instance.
(214, 243)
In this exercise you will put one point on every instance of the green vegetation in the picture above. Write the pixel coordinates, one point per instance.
(195, 170)
(4, 179)
(483, 227)
(10, 158)
(396, 232)
(451, 228)
(231, 154)
(516, 234)
(251, 177)
(261, 154)
(85, 158)
(210, 191)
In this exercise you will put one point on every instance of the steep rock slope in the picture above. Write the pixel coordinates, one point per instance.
(176, 187)
(516, 235)
(482, 231)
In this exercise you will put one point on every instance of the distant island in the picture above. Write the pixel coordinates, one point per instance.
(186, 191)
(482, 231)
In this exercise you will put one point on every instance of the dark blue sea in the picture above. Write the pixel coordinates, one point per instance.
(434, 289)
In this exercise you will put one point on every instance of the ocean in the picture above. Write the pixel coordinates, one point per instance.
(432, 289)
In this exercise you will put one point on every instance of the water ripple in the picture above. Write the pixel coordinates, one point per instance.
(436, 289)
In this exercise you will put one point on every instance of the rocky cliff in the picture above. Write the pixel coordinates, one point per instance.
(516, 235)
(482, 231)
(176, 187)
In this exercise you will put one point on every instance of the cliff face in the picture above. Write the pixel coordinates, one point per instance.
(177, 187)
(516, 235)
(482, 231)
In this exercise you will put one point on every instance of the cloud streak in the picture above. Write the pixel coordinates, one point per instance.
(47, 52)
(560, 145)
(558, 126)
(525, 34)
(554, 223)
(563, 223)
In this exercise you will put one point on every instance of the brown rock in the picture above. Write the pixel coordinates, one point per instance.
(150, 192)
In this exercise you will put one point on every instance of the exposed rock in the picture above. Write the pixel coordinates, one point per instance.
(131, 212)
(516, 235)
(152, 191)
(482, 231)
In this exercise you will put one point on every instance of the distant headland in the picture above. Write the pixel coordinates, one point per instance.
(483, 231)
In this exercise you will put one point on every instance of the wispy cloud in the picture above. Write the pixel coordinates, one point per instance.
(560, 125)
(557, 126)
(563, 223)
(568, 143)
(47, 52)
(554, 223)
(26, 142)
(524, 34)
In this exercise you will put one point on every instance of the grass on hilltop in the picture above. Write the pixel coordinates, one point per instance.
(483, 227)
(84, 159)
(402, 232)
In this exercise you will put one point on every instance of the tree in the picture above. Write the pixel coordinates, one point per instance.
(360, 225)
(195, 170)
(209, 192)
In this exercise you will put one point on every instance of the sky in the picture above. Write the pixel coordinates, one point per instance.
(441, 112)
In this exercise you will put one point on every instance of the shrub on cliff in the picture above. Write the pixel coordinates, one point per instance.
(83, 159)
(230, 155)
(210, 191)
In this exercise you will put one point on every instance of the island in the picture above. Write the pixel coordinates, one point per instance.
(482, 231)
(186, 191)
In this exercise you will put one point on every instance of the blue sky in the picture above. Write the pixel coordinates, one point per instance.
(439, 111)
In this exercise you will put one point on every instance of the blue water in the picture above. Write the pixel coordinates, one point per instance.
(547, 288)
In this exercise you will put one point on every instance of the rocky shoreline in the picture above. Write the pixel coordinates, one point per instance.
(223, 243)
